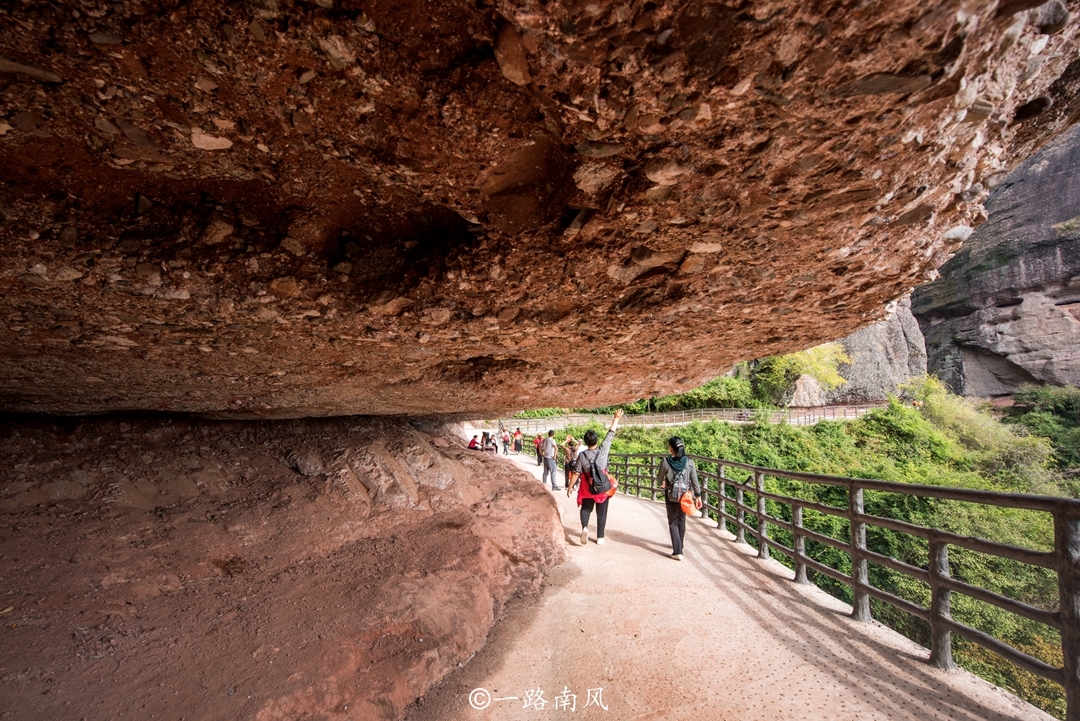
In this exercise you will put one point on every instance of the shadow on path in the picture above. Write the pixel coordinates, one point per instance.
(721, 635)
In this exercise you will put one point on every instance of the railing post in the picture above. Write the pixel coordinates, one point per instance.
(762, 527)
(860, 579)
(800, 543)
(1067, 548)
(740, 514)
(721, 498)
(940, 600)
(652, 478)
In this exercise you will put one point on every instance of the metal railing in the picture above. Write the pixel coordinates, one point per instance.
(792, 416)
(639, 473)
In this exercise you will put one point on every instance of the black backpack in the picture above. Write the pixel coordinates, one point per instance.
(597, 478)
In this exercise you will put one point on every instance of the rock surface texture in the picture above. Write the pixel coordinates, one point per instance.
(299, 569)
(885, 355)
(278, 209)
(1006, 310)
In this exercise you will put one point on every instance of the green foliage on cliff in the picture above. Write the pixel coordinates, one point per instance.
(775, 375)
(763, 387)
(950, 441)
(1055, 414)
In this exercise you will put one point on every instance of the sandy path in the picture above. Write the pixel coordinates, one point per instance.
(720, 635)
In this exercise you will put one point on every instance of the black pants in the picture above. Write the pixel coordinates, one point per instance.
(587, 505)
(676, 521)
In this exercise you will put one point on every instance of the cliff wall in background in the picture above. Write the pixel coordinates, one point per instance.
(1005, 310)
(886, 355)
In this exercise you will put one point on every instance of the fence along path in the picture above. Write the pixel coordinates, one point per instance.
(742, 505)
(721, 636)
(793, 416)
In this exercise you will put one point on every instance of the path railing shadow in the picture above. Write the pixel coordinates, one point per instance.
(746, 504)
(818, 628)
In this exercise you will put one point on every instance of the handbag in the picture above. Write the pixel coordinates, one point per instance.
(687, 503)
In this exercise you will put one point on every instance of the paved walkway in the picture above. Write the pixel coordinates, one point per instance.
(719, 636)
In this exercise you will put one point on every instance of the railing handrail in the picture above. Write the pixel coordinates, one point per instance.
(994, 498)
(634, 469)
(802, 416)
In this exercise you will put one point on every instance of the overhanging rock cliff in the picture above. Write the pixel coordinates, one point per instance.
(1006, 310)
(280, 209)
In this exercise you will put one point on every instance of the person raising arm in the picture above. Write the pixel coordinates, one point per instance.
(592, 462)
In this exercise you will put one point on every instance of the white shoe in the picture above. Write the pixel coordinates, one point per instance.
(584, 535)
(599, 541)
(677, 556)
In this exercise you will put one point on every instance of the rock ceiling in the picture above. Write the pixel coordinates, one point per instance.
(278, 209)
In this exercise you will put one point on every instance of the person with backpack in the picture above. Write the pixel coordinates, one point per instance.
(678, 476)
(570, 450)
(594, 484)
(505, 438)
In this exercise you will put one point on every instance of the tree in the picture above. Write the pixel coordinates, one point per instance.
(775, 375)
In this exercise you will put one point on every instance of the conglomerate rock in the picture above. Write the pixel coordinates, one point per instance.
(1006, 310)
(277, 208)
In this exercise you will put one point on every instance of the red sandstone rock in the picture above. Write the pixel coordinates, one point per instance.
(808, 163)
(175, 569)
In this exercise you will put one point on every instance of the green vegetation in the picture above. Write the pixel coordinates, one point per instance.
(763, 386)
(1053, 413)
(775, 375)
(543, 413)
(722, 392)
(1069, 225)
(950, 441)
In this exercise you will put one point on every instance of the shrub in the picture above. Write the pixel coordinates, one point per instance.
(775, 375)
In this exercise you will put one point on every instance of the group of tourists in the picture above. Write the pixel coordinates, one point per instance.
(585, 469)
(585, 463)
(491, 442)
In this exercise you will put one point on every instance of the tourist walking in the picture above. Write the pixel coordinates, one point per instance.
(570, 450)
(505, 438)
(592, 481)
(678, 474)
(547, 450)
(518, 436)
(536, 442)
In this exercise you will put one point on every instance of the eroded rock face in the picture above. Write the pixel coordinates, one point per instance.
(885, 355)
(1006, 310)
(305, 569)
(269, 208)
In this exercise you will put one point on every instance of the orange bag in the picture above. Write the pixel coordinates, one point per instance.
(687, 503)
